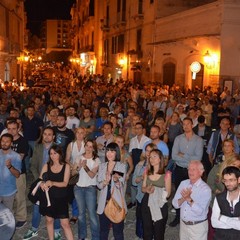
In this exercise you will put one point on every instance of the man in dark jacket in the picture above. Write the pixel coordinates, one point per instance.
(215, 143)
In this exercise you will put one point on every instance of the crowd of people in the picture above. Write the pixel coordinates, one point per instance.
(139, 144)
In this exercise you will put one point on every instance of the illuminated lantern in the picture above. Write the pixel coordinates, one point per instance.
(195, 68)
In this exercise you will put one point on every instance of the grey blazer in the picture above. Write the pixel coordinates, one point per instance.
(119, 167)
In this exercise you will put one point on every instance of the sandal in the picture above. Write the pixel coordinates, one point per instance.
(73, 220)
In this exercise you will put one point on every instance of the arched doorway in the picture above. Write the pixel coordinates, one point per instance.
(137, 77)
(198, 82)
(169, 70)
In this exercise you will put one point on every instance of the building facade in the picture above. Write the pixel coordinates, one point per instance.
(11, 38)
(55, 35)
(87, 36)
(208, 34)
(185, 42)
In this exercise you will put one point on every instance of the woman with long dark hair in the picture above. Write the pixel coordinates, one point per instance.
(55, 175)
(156, 185)
(111, 175)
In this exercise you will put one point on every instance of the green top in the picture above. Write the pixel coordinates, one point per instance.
(214, 181)
(158, 183)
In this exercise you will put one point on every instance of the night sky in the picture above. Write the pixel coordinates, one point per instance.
(40, 10)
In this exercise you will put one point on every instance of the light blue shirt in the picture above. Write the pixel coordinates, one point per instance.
(139, 170)
(7, 180)
(192, 149)
(201, 196)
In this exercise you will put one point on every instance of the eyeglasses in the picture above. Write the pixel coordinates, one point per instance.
(229, 180)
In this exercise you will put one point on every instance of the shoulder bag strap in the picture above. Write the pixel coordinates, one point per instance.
(71, 158)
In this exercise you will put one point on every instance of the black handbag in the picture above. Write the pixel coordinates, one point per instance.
(36, 197)
(39, 195)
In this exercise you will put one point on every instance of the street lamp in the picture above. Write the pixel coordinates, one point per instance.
(209, 60)
(91, 65)
(195, 68)
(121, 62)
(23, 60)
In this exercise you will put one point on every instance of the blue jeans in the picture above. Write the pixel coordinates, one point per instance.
(74, 208)
(86, 198)
(36, 219)
(31, 145)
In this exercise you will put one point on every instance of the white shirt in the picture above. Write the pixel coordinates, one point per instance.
(75, 153)
(72, 123)
(134, 143)
(84, 179)
(224, 222)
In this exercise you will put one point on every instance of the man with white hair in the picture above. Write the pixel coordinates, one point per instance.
(193, 198)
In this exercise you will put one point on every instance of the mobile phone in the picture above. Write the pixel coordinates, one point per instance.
(119, 173)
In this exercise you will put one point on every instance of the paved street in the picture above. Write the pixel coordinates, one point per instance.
(129, 231)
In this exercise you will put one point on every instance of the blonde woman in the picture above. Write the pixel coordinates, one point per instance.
(74, 151)
(76, 148)
(228, 151)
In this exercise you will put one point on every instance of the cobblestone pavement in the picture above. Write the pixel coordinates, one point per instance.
(129, 229)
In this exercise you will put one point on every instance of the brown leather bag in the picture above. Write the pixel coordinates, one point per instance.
(114, 211)
(74, 174)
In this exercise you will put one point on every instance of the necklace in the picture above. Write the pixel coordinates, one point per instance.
(56, 167)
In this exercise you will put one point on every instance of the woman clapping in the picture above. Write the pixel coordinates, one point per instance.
(85, 191)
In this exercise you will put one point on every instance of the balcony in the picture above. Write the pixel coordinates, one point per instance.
(88, 48)
(138, 16)
(104, 25)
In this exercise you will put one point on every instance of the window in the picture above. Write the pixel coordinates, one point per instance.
(106, 52)
(114, 45)
(118, 10)
(121, 43)
(169, 71)
(118, 44)
(123, 10)
(139, 43)
(92, 38)
(91, 8)
(107, 16)
(140, 6)
(118, 6)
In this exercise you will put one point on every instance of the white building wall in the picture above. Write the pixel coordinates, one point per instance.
(186, 37)
(230, 42)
